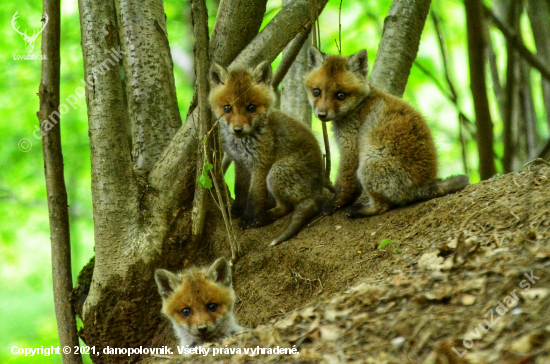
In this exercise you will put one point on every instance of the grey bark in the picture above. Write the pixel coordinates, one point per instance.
(237, 24)
(294, 99)
(114, 192)
(148, 66)
(399, 45)
(55, 182)
(539, 15)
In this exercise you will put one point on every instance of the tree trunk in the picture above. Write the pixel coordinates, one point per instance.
(476, 55)
(55, 182)
(399, 45)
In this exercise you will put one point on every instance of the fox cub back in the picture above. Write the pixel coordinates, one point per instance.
(275, 155)
(199, 302)
(387, 154)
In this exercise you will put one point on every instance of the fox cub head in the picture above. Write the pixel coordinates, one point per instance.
(241, 98)
(199, 302)
(336, 85)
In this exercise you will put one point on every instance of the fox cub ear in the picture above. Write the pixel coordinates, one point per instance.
(218, 75)
(262, 73)
(167, 282)
(315, 57)
(358, 63)
(220, 272)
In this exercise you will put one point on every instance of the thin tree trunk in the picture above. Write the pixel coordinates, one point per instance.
(511, 10)
(528, 114)
(539, 15)
(476, 55)
(152, 102)
(399, 45)
(204, 123)
(55, 182)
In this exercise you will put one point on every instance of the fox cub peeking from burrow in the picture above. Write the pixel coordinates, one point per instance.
(274, 153)
(387, 154)
(199, 302)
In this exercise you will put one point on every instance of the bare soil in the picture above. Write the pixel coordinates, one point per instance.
(332, 293)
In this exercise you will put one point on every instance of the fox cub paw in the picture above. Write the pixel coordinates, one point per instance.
(329, 207)
(246, 222)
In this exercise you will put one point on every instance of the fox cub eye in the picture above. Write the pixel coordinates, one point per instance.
(341, 96)
(212, 307)
(251, 108)
(186, 312)
(227, 109)
(316, 92)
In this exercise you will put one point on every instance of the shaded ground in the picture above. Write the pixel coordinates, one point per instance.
(331, 292)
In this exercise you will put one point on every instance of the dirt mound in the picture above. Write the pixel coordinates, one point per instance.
(456, 263)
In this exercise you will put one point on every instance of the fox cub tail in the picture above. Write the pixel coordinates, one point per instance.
(439, 187)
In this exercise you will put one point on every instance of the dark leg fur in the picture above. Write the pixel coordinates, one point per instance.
(242, 185)
(377, 205)
(305, 210)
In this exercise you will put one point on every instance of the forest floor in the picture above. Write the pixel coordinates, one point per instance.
(466, 279)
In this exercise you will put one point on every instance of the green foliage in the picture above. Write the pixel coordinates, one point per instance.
(204, 180)
(396, 249)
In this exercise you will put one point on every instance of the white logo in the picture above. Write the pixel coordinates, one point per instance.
(29, 41)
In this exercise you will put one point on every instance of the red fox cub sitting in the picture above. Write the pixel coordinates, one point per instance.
(199, 302)
(272, 151)
(387, 153)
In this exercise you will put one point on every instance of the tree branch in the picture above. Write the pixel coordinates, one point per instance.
(517, 43)
(294, 48)
(237, 23)
(399, 45)
(55, 183)
(148, 67)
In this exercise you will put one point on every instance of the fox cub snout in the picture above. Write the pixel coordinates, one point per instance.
(387, 154)
(275, 155)
(199, 302)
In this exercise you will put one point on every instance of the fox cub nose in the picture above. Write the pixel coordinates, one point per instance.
(203, 329)
(321, 114)
(238, 130)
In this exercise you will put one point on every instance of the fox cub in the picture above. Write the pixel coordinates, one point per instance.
(273, 153)
(387, 153)
(199, 302)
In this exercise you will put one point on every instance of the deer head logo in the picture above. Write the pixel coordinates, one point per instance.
(29, 41)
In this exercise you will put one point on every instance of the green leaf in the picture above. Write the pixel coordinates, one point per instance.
(206, 168)
(385, 242)
(204, 181)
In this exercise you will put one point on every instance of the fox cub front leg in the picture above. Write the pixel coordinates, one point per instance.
(242, 186)
(255, 203)
(347, 186)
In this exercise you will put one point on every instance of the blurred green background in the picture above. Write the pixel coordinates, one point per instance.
(26, 305)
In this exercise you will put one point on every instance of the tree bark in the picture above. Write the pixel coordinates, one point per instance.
(294, 99)
(114, 192)
(399, 45)
(148, 67)
(476, 55)
(55, 182)
(237, 23)
(539, 13)
(204, 123)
